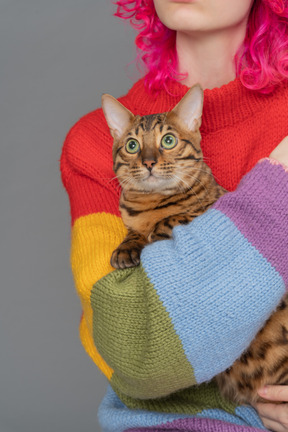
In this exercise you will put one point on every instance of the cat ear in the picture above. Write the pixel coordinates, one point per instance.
(117, 116)
(190, 107)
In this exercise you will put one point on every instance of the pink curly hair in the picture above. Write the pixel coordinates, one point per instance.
(261, 64)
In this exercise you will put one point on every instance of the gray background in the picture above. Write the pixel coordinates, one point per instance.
(56, 59)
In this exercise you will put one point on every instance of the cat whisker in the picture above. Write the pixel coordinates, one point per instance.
(180, 187)
(113, 178)
(182, 181)
(190, 188)
(209, 173)
(197, 179)
(205, 158)
(125, 182)
(108, 178)
(120, 183)
(204, 171)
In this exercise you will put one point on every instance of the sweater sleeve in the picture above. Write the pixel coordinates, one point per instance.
(196, 301)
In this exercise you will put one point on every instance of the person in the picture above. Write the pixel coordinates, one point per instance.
(161, 331)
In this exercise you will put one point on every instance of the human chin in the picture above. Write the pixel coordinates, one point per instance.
(179, 14)
(183, 1)
(200, 15)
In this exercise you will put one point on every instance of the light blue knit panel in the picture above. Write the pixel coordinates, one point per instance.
(250, 416)
(244, 416)
(217, 288)
(114, 416)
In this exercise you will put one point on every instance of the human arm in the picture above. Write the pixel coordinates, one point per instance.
(274, 415)
(197, 301)
(96, 225)
(126, 315)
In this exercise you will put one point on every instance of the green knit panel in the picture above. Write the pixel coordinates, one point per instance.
(190, 401)
(134, 334)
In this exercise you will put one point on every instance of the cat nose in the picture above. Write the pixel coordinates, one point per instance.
(149, 164)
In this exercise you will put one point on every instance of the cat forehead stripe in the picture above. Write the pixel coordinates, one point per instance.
(149, 122)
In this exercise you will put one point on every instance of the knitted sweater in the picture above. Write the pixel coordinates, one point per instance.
(161, 331)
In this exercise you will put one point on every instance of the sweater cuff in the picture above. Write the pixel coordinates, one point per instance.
(260, 206)
(276, 162)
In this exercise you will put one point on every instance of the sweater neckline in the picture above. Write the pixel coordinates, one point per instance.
(225, 106)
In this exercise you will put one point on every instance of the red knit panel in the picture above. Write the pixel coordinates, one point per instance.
(232, 140)
(232, 152)
(86, 197)
(88, 148)
(86, 166)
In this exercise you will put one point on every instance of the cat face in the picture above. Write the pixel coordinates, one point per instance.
(158, 152)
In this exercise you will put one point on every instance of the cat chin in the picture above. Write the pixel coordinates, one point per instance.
(152, 180)
(154, 184)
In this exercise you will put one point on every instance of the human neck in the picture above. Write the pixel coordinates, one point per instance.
(208, 58)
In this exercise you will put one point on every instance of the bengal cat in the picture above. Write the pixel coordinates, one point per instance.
(165, 182)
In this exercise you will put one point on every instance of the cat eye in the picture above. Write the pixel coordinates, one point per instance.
(168, 141)
(132, 146)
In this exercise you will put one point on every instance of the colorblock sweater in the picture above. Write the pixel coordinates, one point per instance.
(161, 331)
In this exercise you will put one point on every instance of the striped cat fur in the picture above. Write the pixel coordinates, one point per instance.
(159, 163)
(165, 182)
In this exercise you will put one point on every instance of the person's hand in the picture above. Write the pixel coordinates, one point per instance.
(274, 415)
(280, 153)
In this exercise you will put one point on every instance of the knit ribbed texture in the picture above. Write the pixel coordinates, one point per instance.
(195, 425)
(115, 417)
(210, 268)
(239, 127)
(270, 191)
(143, 349)
(197, 300)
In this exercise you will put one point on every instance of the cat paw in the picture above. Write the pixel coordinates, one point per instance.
(125, 258)
(153, 237)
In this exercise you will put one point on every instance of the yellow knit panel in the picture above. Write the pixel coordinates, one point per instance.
(94, 237)
(91, 350)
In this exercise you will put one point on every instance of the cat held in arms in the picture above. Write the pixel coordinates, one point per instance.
(165, 182)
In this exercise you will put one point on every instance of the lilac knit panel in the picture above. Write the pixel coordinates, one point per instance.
(264, 216)
(197, 425)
